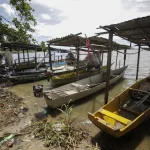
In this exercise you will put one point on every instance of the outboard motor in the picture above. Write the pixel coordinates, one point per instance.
(38, 90)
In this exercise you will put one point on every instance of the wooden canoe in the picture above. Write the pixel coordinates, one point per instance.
(71, 76)
(126, 111)
(80, 89)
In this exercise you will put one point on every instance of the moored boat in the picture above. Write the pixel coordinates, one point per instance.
(80, 89)
(126, 111)
(71, 76)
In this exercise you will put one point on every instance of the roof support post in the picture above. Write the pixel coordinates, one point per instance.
(18, 56)
(138, 60)
(108, 67)
(125, 57)
(77, 68)
(50, 59)
(116, 59)
(28, 55)
(23, 56)
(36, 58)
(102, 58)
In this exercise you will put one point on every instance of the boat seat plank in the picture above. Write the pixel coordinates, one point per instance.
(138, 90)
(130, 111)
(115, 116)
(142, 100)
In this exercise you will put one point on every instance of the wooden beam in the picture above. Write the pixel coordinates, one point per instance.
(108, 67)
(102, 58)
(18, 56)
(23, 56)
(101, 33)
(28, 55)
(138, 60)
(114, 32)
(116, 59)
(36, 58)
(50, 59)
(125, 57)
(77, 68)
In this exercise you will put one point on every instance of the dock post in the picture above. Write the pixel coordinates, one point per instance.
(138, 60)
(102, 58)
(36, 58)
(77, 68)
(23, 56)
(28, 55)
(18, 56)
(50, 61)
(108, 67)
(116, 59)
(124, 57)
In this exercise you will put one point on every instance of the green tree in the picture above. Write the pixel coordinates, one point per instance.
(20, 29)
(43, 45)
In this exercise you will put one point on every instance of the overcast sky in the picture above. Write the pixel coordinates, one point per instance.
(58, 18)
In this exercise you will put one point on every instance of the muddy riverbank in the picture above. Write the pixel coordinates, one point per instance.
(136, 140)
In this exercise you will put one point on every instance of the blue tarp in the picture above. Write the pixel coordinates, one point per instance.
(57, 64)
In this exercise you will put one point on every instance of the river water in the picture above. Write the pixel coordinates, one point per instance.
(95, 101)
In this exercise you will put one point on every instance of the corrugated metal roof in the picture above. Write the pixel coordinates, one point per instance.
(73, 40)
(135, 30)
(20, 46)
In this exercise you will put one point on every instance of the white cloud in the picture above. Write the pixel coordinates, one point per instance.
(45, 16)
(85, 16)
(8, 9)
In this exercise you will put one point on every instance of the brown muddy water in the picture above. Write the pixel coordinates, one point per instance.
(138, 139)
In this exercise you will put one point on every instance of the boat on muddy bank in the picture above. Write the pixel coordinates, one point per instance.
(80, 89)
(126, 111)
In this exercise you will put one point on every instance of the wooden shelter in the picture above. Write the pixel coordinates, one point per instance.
(74, 40)
(136, 31)
(13, 47)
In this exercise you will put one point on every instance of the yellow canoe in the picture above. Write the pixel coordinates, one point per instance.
(126, 111)
(71, 77)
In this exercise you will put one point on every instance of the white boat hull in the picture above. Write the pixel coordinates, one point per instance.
(62, 95)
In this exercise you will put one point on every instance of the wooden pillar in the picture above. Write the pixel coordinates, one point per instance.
(108, 67)
(28, 55)
(77, 68)
(138, 60)
(102, 58)
(50, 61)
(36, 58)
(116, 59)
(23, 56)
(124, 57)
(18, 56)
(11, 52)
(61, 58)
